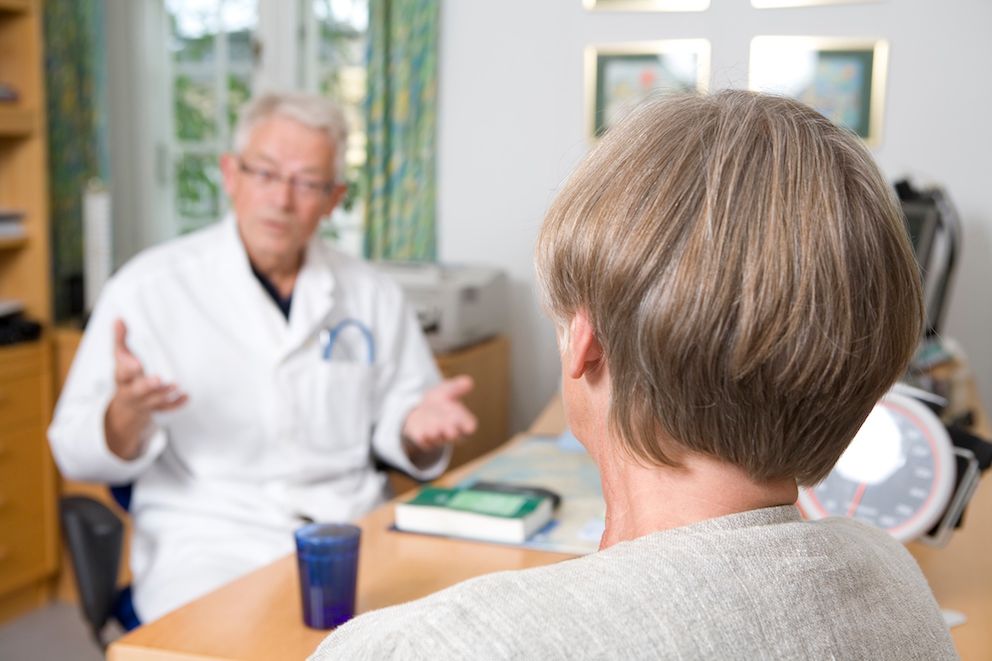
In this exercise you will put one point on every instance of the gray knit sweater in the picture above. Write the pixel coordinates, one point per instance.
(757, 585)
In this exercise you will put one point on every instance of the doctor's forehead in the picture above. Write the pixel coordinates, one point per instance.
(284, 141)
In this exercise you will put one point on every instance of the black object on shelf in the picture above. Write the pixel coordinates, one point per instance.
(16, 328)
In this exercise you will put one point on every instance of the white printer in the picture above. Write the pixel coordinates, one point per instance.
(455, 305)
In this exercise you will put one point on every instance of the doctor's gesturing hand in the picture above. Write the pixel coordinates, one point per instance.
(439, 419)
(136, 397)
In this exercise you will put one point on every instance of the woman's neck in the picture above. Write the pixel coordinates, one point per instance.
(641, 500)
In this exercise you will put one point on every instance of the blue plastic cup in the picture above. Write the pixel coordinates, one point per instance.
(327, 554)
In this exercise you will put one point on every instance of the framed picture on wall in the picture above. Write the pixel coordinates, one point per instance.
(842, 78)
(619, 76)
(646, 5)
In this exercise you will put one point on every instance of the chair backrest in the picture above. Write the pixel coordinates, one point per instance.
(94, 535)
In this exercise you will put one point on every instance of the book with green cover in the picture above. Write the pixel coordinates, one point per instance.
(562, 465)
(474, 514)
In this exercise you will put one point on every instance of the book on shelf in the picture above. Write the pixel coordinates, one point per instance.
(487, 515)
(8, 93)
(11, 226)
(10, 306)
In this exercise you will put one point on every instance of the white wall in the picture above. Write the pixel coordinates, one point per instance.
(511, 128)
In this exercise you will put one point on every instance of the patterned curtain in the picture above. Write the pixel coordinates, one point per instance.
(73, 79)
(401, 110)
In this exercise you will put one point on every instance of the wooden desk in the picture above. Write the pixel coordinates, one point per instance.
(957, 572)
(259, 616)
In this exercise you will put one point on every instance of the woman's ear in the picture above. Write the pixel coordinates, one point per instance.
(584, 352)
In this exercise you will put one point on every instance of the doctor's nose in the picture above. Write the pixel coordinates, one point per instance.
(282, 193)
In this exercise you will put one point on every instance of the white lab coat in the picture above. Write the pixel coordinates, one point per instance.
(271, 433)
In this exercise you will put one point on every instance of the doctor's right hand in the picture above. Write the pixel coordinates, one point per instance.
(137, 396)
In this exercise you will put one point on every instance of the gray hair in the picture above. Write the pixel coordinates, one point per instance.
(314, 111)
(746, 269)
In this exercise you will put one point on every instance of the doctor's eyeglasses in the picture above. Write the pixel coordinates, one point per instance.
(266, 177)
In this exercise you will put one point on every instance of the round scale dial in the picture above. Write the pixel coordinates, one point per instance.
(897, 474)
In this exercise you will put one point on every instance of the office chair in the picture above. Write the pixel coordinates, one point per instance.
(94, 536)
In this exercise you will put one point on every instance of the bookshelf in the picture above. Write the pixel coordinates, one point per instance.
(15, 5)
(28, 528)
(24, 264)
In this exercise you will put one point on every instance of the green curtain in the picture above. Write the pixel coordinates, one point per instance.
(400, 113)
(74, 77)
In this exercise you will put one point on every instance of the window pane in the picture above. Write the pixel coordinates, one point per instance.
(238, 93)
(340, 73)
(353, 14)
(194, 26)
(196, 108)
(198, 190)
(343, 32)
(193, 50)
(212, 62)
(240, 18)
(239, 15)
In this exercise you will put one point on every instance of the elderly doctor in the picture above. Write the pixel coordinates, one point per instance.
(245, 376)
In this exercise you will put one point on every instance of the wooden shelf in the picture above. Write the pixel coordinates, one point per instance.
(14, 6)
(16, 122)
(10, 242)
(29, 519)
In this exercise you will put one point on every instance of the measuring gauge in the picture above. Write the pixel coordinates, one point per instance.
(897, 474)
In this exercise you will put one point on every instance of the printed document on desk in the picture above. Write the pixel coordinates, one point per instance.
(562, 465)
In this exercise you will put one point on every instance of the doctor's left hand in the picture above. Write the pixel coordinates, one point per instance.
(439, 419)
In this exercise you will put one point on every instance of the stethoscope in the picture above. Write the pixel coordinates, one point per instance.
(329, 336)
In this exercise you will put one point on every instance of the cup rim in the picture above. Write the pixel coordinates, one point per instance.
(343, 535)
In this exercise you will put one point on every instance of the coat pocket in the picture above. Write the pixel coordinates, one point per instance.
(342, 397)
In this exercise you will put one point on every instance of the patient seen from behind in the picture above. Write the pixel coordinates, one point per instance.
(733, 290)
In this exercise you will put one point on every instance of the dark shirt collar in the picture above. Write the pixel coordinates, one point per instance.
(282, 303)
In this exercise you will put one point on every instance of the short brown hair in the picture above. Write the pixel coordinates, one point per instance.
(747, 271)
